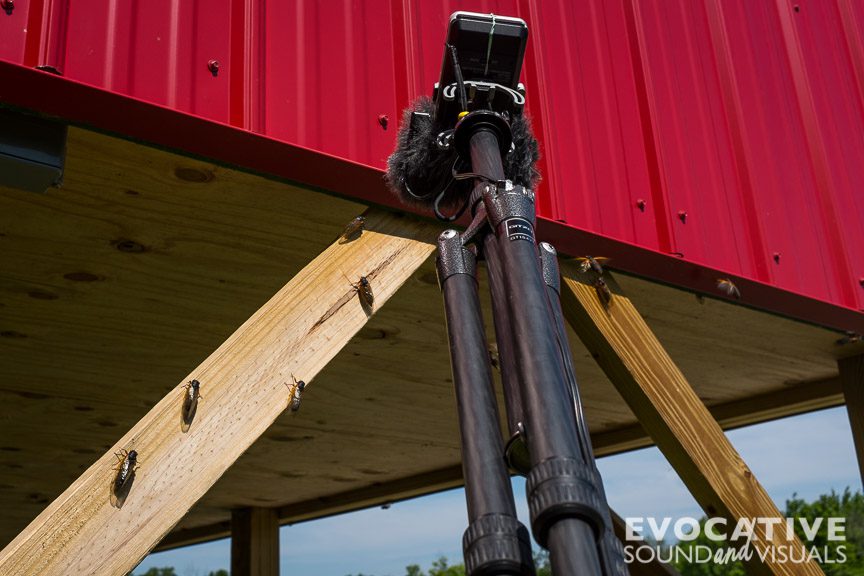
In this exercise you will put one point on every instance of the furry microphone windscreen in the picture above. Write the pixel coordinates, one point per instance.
(418, 170)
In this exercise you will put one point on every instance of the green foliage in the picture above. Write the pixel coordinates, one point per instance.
(706, 568)
(541, 562)
(847, 505)
(442, 567)
(167, 571)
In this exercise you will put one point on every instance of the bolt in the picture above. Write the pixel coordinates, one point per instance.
(640, 203)
(777, 257)
(7, 5)
(49, 68)
(213, 67)
(383, 120)
(545, 246)
(446, 234)
(682, 215)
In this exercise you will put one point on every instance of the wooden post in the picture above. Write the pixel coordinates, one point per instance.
(672, 413)
(254, 542)
(852, 379)
(244, 385)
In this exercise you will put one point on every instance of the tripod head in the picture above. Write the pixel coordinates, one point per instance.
(478, 89)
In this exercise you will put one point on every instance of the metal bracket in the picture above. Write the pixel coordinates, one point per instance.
(32, 152)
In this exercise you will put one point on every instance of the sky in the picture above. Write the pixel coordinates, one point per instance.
(807, 455)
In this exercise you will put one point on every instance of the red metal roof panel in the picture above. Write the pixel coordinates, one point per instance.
(725, 132)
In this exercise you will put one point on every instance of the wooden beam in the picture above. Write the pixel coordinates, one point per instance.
(377, 494)
(797, 399)
(254, 542)
(671, 412)
(244, 384)
(852, 376)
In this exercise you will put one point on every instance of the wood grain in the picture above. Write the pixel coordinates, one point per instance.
(113, 287)
(797, 399)
(244, 387)
(671, 412)
(852, 377)
(254, 542)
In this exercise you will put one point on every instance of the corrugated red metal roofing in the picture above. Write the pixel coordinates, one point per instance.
(729, 132)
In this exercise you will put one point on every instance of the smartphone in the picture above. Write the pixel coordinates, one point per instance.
(490, 48)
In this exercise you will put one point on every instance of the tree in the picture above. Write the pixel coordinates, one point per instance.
(541, 562)
(848, 505)
(169, 571)
(442, 567)
(166, 571)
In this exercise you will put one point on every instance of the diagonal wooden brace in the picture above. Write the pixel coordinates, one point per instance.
(243, 384)
(852, 378)
(671, 412)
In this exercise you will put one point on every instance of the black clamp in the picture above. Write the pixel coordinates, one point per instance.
(482, 120)
(497, 544)
(481, 96)
(549, 266)
(564, 487)
(453, 257)
(507, 201)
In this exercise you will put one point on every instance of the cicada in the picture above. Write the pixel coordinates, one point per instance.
(591, 262)
(296, 394)
(726, 286)
(353, 229)
(849, 338)
(603, 292)
(190, 401)
(364, 290)
(127, 462)
(494, 357)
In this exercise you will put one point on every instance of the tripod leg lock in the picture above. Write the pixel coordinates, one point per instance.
(512, 203)
(453, 257)
(497, 544)
(564, 488)
(549, 266)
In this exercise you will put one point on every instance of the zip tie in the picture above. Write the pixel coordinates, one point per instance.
(489, 46)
